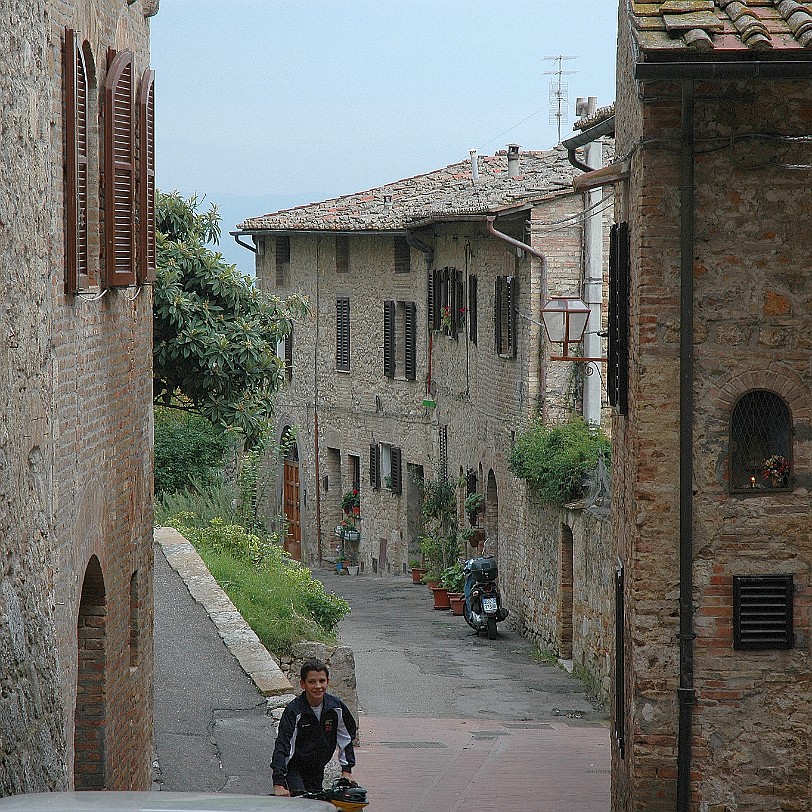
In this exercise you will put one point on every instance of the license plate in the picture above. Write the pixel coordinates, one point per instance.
(489, 605)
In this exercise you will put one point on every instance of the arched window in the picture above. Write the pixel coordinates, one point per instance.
(760, 443)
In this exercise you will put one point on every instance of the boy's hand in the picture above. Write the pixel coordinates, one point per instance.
(346, 775)
(278, 789)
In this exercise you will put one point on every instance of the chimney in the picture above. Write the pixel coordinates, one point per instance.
(474, 164)
(513, 160)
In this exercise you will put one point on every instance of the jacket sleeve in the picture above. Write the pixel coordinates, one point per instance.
(345, 735)
(284, 746)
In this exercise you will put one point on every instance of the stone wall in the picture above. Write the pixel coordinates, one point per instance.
(751, 268)
(75, 479)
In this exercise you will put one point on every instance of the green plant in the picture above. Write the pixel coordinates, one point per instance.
(350, 500)
(453, 577)
(414, 564)
(553, 459)
(187, 450)
(474, 502)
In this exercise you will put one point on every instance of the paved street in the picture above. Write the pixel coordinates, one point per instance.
(448, 720)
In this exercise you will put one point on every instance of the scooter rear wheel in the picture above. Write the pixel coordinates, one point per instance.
(491, 627)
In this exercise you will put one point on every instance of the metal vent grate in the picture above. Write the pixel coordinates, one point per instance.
(762, 611)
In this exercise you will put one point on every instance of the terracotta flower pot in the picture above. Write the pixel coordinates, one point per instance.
(457, 601)
(417, 574)
(440, 597)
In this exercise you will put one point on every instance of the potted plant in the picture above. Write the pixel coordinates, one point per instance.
(340, 561)
(418, 570)
(775, 470)
(351, 502)
(349, 529)
(352, 565)
(474, 505)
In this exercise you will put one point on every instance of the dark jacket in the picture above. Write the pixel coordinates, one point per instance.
(304, 740)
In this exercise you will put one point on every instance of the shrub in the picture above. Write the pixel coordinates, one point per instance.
(553, 459)
(187, 450)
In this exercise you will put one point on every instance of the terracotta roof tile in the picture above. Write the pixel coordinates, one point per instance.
(726, 26)
(446, 192)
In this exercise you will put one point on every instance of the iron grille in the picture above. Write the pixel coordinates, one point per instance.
(762, 611)
(760, 443)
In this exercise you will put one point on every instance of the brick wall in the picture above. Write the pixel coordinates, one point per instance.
(76, 444)
(752, 327)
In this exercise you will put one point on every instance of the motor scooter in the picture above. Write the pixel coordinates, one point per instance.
(343, 794)
(483, 604)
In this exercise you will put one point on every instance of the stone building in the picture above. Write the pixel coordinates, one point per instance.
(713, 436)
(425, 356)
(75, 444)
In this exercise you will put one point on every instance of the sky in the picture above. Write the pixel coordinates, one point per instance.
(266, 104)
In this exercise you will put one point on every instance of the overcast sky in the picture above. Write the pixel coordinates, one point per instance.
(266, 104)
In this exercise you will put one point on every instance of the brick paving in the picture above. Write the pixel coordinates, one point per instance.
(415, 764)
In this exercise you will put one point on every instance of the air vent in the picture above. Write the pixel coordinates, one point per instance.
(762, 611)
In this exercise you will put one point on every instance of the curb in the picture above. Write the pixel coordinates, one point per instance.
(239, 638)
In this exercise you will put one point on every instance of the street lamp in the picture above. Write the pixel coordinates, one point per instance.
(565, 319)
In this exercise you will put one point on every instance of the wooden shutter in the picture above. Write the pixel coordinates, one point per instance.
(410, 341)
(434, 306)
(472, 305)
(146, 172)
(119, 170)
(374, 465)
(289, 354)
(497, 315)
(389, 339)
(618, 318)
(396, 474)
(402, 255)
(343, 334)
(76, 164)
(513, 313)
(455, 292)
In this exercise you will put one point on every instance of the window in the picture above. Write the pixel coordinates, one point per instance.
(618, 318)
(284, 350)
(760, 443)
(282, 260)
(343, 334)
(446, 301)
(77, 155)
(355, 472)
(506, 299)
(146, 192)
(386, 467)
(400, 339)
(402, 255)
(342, 253)
(119, 170)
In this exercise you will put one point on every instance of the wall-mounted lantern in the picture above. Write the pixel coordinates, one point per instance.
(565, 319)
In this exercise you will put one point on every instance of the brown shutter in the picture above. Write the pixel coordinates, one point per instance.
(472, 306)
(289, 354)
(146, 192)
(410, 341)
(396, 474)
(389, 339)
(119, 171)
(374, 465)
(618, 318)
(513, 313)
(456, 302)
(76, 164)
(434, 300)
(343, 334)
(497, 315)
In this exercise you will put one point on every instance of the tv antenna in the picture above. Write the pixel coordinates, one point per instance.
(558, 90)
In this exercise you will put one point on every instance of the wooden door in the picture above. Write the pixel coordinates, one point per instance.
(290, 506)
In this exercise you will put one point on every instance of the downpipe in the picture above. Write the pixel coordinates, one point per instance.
(686, 693)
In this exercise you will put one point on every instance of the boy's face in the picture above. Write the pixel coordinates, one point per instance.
(315, 686)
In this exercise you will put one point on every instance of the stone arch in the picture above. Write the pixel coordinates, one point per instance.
(90, 717)
(491, 515)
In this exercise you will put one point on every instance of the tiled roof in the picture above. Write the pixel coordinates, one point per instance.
(446, 192)
(726, 27)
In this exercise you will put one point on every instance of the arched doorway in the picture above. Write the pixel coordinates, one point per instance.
(90, 716)
(491, 517)
(290, 495)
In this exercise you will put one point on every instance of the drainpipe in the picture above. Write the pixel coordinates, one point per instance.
(538, 273)
(686, 693)
(317, 467)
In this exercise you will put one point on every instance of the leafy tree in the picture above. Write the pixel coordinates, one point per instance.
(215, 333)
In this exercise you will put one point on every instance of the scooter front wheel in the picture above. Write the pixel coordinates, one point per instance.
(491, 621)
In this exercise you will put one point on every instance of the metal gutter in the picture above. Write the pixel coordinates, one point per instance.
(735, 69)
(685, 693)
(236, 235)
(605, 127)
(319, 232)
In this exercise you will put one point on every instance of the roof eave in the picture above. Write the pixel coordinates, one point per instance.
(290, 232)
(665, 69)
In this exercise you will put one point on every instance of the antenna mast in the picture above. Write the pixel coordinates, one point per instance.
(558, 91)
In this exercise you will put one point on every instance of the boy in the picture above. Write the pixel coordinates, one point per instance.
(311, 727)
